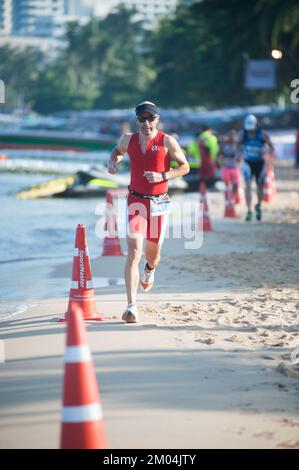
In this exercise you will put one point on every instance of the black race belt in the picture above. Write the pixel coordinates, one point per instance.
(146, 196)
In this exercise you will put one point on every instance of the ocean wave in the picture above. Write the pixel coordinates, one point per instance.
(33, 258)
(10, 309)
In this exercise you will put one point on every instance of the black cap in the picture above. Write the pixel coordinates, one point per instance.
(146, 107)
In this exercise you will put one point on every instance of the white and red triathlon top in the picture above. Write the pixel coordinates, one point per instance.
(155, 158)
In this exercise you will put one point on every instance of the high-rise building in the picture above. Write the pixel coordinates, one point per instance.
(41, 18)
(148, 11)
(37, 17)
(40, 23)
(47, 18)
(78, 8)
(5, 16)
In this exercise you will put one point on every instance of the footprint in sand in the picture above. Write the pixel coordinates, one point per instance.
(278, 344)
(221, 310)
(264, 316)
(291, 444)
(269, 357)
(288, 422)
(194, 311)
(282, 336)
(241, 431)
(179, 340)
(233, 338)
(285, 356)
(247, 307)
(265, 434)
(208, 341)
(265, 334)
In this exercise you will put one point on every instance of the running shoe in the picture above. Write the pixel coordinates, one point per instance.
(258, 212)
(130, 315)
(248, 217)
(147, 280)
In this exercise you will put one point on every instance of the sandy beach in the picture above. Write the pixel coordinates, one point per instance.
(208, 366)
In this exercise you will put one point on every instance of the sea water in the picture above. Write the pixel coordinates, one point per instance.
(35, 237)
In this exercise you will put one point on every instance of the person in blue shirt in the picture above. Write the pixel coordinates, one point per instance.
(252, 145)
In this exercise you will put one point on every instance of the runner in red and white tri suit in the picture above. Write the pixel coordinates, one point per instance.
(150, 152)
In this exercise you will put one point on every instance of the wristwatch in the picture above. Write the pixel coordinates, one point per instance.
(164, 177)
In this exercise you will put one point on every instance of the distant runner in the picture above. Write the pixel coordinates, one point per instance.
(229, 159)
(150, 152)
(208, 148)
(252, 145)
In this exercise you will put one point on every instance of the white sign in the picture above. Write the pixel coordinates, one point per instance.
(260, 74)
(295, 94)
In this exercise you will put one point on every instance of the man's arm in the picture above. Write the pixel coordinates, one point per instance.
(177, 155)
(118, 154)
(267, 140)
(240, 154)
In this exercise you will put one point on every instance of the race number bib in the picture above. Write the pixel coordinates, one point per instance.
(161, 205)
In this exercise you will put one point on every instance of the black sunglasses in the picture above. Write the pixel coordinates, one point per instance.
(149, 119)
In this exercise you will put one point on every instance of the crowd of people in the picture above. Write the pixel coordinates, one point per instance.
(233, 157)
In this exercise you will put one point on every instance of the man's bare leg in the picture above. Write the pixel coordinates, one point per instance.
(134, 244)
(258, 209)
(259, 191)
(152, 254)
(248, 197)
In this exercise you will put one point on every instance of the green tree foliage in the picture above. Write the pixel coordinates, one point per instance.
(19, 70)
(101, 66)
(196, 56)
(200, 54)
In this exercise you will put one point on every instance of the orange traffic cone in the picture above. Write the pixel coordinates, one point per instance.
(82, 292)
(272, 177)
(204, 209)
(82, 418)
(111, 244)
(239, 197)
(230, 210)
(268, 186)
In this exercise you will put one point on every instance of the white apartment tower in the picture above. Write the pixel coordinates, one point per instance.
(149, 11)
(47, 18)
(37, 17)
(5, 17)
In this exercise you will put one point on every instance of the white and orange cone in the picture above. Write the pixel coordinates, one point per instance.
(239, 197)
(82, 417)
(272, 177)
(204, 212)
(81, 291)
(268, 185)
(111, 243)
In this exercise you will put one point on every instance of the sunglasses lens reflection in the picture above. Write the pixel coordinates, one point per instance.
(149, 119)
